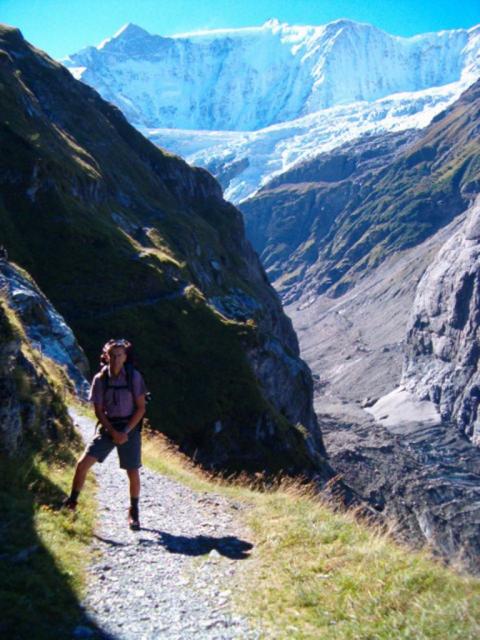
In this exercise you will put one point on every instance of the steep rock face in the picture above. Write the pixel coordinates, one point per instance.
(45, 328)
(35, 345)
(144, 246)
(442, 344)
(365, 201)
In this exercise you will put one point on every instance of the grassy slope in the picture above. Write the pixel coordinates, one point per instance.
(88, 163)
(43, 551)
(315, 573)
(42, 590)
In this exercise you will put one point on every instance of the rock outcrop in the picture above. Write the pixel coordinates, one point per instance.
(45, 328)
(443, 337)
(40, 363)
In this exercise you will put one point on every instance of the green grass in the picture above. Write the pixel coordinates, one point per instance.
(315, 573)
(39, 595)
(320, 574)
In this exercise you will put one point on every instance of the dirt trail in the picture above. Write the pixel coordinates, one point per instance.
(173, 578)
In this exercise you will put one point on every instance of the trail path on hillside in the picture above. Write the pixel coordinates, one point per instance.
(173, 578)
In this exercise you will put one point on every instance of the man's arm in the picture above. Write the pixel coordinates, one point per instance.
(139, 413)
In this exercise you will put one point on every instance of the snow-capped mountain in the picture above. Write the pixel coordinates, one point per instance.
(249, 103)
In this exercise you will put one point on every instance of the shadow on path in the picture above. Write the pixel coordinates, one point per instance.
(229, 546)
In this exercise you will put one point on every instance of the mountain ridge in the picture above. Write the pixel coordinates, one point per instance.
(360, 216)
(251, 103)
(301, 63)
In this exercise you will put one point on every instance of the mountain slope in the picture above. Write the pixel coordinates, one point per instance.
(41, 561)
(128, 240)
(365, 201)
(346, 238)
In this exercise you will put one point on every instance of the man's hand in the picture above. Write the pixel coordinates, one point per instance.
(119, 438)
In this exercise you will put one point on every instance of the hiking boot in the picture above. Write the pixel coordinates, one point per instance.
(69, 503)
(133, 522)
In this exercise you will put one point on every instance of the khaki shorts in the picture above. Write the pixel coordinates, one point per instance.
(129, 453)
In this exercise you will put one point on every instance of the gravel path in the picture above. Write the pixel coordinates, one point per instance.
(172, 578)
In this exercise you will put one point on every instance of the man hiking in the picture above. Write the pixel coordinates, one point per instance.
(118, 396)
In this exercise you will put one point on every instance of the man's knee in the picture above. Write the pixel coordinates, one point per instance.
(85, 462)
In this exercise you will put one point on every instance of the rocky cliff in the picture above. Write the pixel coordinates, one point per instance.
(44, 327)
(126, 239)
(40, 364)
(442, 344)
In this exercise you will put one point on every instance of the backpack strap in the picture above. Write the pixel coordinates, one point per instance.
(106, 379)
(129, 370)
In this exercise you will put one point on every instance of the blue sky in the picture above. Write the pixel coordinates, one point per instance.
(61, 27)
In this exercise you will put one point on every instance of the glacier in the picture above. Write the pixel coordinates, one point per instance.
(250, 103)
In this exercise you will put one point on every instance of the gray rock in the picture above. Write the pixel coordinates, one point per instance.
(421, 478)
(425, 482)
(45, 327)
(442, 347)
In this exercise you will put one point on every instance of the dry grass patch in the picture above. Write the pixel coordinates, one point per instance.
(316, 573)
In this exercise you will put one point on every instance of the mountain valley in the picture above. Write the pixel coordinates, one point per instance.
(370, 241)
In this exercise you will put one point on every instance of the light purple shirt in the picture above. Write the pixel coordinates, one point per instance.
(117, 403)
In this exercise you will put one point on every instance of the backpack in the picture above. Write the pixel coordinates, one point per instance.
(129, 371)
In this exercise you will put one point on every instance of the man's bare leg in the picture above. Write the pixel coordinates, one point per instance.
(81, 471)
(83, 467)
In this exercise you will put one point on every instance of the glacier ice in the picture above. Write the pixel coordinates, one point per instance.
(276, 94)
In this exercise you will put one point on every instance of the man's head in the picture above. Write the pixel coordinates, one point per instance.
(115, 354)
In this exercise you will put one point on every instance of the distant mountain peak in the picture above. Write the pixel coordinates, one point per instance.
(127, 33)
(131, 30)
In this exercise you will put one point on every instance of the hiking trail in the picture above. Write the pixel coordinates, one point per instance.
(172, 579)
